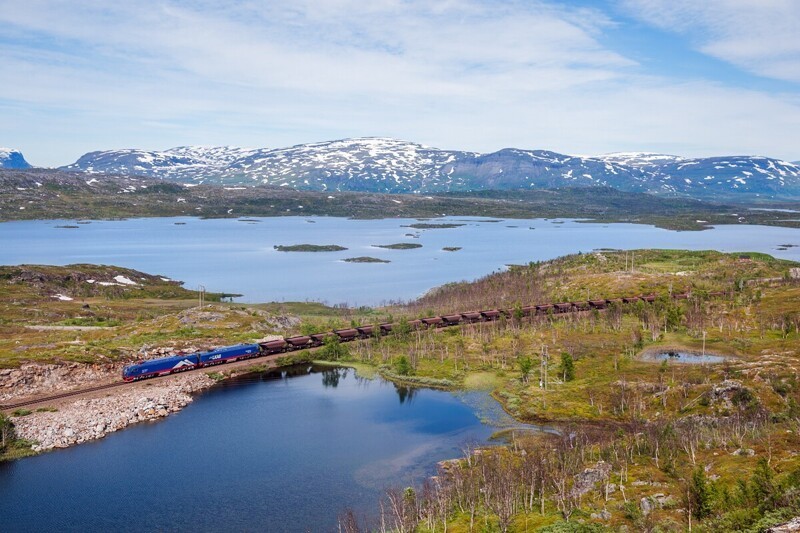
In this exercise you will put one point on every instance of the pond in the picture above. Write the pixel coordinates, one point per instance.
(282, 451)
(682, 357)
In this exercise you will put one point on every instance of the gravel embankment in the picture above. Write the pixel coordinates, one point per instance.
(93, 418)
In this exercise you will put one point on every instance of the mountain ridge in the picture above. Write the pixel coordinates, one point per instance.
(381, 164)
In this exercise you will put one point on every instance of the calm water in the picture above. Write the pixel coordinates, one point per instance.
(229, 255)
(685, 358)
(259, 454)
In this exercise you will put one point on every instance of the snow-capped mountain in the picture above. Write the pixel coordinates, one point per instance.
(184, 163)
(390, 165)
(369, 164)
(10, 158)
(712, 176)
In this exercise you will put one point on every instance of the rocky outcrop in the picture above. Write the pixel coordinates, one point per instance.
(93, 418)
(656, 501)
(33, 379)
(791, 525)
(725, 392)
(586, 480)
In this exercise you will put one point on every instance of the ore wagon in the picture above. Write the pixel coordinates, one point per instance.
(299, 340)
(346, 334)
(433, 321)
(273, 346)
(471, 316)
(491, 314)
(451, 319)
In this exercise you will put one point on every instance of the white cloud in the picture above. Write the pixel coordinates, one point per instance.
(760, 36)
(465, 74)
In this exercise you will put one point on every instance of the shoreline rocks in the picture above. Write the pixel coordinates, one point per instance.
(93, 418)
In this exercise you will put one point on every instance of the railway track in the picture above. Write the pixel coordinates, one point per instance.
(45, 399)
(274, 349)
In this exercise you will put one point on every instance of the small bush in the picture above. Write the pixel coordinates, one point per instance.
(567, 369)
(403, 367)
(333, 349)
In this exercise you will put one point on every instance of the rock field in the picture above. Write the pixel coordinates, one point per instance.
(93, 418)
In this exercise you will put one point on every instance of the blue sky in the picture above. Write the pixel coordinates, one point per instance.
(717, 77)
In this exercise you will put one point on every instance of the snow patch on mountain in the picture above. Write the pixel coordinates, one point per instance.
(639, 159)
(184, 163)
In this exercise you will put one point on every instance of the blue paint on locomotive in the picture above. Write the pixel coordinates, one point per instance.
(160, 366)
(228, 352)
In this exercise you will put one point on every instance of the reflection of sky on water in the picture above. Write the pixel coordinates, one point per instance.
(291, 450)
(684, 358)
(233, 256)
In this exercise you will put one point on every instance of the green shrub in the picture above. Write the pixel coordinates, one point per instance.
(567, 368)
(333, 349)
(403, 367)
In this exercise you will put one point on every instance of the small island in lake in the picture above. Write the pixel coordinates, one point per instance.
(365, 259)
(310, 248)
(425, 225)
(399, 246)
(451, 248)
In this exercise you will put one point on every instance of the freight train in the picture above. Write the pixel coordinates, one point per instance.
(183, 362)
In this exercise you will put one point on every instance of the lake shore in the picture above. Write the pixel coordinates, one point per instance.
(87, 419)
(65, 422)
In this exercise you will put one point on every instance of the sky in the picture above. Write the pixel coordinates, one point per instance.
(717, 77)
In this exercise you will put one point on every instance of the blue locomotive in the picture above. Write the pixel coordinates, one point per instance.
(181, 363)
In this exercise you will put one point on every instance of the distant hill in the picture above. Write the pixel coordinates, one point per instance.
(10, 158)
(394, 166)
(36, 194)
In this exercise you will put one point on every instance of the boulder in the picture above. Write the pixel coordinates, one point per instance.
(586, 480)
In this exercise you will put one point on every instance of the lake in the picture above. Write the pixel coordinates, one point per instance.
(283, 451)
(230, 255)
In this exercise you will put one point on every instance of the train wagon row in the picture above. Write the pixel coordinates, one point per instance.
(181, 363)
(470, 317)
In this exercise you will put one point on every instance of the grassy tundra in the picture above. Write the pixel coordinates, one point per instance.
(642, 445)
